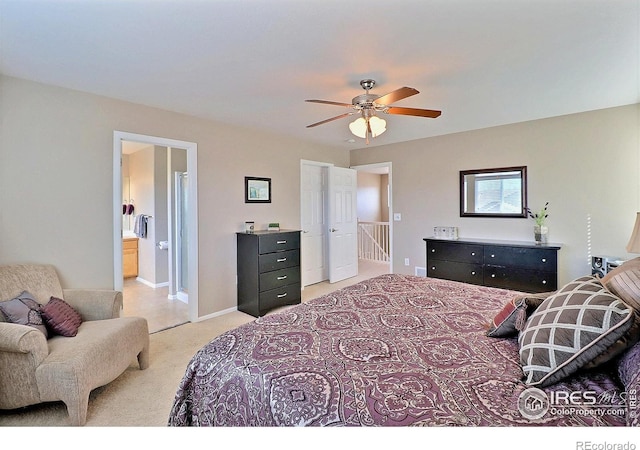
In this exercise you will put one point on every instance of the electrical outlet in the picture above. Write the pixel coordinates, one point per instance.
(406, 261)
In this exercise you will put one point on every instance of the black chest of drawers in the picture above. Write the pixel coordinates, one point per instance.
(520, 266)
(268, 270)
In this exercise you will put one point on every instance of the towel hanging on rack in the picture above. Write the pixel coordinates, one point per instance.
(140, 225)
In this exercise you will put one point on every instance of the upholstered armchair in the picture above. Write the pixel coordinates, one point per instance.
(37, 367)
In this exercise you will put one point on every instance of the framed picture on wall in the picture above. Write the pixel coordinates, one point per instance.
(257, 190)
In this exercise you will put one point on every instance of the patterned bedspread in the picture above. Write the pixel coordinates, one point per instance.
(395, 350)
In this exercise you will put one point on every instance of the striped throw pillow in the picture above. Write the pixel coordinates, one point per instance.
(624, 281)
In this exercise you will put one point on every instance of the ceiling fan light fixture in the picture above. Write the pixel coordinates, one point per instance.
(368, 125)
(359, 126)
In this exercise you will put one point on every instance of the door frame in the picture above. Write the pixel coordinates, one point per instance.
(388, 165)
(192, 192)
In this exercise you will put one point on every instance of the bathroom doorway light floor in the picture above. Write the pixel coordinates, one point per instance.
(154, 305)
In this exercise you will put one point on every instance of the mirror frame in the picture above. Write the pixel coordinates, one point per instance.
(523, 191)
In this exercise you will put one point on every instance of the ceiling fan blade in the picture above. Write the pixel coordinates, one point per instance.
(368, 132)
(413, 112)
(396, 95)
(329, 120)
(326, 102)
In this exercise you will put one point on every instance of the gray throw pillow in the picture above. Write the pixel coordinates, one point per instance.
(570, 329)
(24, 310)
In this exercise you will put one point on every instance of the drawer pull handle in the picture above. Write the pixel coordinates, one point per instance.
(544, 281)
(544, 259)
(433, 268)
(493, 256)
(473, 273)
(473, 253)
(282, 295)
(281, 260)
(493, 275)
(281, 242)
(433, 250)
(283, 277)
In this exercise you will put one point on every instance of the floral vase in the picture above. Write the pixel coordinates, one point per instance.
(540, 233)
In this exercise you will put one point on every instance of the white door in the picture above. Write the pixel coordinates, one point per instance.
(314, 224)
(343, 223)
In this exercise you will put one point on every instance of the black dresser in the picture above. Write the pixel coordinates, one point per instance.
(520, 266)
(268, 270)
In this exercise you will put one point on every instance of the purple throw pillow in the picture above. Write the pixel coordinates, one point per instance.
(61, 318)
(24, 310)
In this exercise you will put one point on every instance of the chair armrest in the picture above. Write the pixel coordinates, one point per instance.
(95, 304)
(16, 338)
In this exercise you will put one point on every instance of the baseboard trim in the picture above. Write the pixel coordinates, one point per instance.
(152, 285)
(217, 314)
(184, 298)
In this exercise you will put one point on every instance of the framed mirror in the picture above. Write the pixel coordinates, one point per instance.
(500, 192)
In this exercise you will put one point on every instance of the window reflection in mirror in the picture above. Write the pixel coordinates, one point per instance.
(498, 192)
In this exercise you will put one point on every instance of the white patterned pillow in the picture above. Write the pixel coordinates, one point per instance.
(570, 329)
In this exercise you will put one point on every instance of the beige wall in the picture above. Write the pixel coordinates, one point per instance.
(384, 197)
(369, 197)
(160, 215)
(56, 183)
(586, 165)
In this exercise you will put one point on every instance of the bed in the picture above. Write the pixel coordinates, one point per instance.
(395, 350)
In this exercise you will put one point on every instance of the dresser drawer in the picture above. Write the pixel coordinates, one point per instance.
(277, 242)
(534, 258)
(466, 253)
(278, 260)
(519, 279)
(278, 278)
(286, 295)
(456, 271)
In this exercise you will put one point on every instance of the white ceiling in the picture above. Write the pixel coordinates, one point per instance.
(254, 62)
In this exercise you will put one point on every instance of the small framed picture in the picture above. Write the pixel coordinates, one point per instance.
(257, 190)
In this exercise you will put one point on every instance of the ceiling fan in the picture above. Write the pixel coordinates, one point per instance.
(369, 124)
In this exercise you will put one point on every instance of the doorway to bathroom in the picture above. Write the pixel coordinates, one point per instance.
(156, 229)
